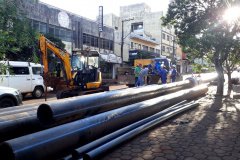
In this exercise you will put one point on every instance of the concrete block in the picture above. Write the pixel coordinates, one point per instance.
(236, 88)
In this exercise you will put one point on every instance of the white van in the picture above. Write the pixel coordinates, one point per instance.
(24, 76)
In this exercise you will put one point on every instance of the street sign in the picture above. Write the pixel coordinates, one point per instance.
(100, 19)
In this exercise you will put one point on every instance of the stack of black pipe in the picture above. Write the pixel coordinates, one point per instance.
(95, 121)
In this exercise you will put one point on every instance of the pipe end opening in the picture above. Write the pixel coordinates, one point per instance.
(6, 151)
(45, 115)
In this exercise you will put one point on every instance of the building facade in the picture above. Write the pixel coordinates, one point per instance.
(76, 32)
(140, 30)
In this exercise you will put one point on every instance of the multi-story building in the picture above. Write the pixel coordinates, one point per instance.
(77, 32)
(141, 30)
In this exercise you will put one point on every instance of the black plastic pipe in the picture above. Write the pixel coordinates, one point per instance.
(22, 120)
(79, 152)
(48, 144)
(103, 150)
(19, 124)
(67, 110)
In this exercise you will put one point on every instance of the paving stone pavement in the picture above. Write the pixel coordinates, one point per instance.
(209, 132)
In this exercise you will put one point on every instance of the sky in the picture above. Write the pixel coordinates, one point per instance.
(89, 8)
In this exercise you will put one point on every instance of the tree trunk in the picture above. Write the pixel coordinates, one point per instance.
(229, 80)
(220, 83)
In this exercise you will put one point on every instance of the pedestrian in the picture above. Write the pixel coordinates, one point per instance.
(142, 75)
(164, 73)
(137, 71)
(173, 74)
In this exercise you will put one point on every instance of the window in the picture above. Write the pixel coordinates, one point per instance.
(43, 28)
(57, 32)
(36, 25)
(111, 45)
(69, 36)
(139, 46)
(19, 71)
(92, 41)
(145, 48)
(51, 30)
(157, 50)
(163, 48)
(168, 38)
(95, 42)
(137, 28)
(37, 70)
(63, 34)
(163, 36)
(169, 27)
(131, 45)
(167, 49)
(151, 49)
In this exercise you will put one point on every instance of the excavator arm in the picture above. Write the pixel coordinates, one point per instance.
(45, 44)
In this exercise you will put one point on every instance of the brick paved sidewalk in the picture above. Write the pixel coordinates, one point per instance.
(208, 132)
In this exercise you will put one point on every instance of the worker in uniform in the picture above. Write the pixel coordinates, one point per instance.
(142, 75)
(137, 71)
(164, 73)
(173, 74)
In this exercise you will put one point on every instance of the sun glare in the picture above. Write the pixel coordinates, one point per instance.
(232, 14)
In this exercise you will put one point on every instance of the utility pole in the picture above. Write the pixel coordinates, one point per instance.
(123, 38)
(173, 54)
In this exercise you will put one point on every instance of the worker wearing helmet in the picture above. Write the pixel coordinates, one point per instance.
(164, 73)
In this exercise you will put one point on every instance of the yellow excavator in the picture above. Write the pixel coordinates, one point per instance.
(81, 75)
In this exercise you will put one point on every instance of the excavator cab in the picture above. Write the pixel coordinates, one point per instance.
(85, 69)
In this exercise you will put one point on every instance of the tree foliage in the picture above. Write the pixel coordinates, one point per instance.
(17, 38)
(201, 30)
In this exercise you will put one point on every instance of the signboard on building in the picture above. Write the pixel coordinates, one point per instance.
(100, 19)
(111, 58)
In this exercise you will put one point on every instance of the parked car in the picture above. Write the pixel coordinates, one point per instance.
(25, 77)
(9, 97)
